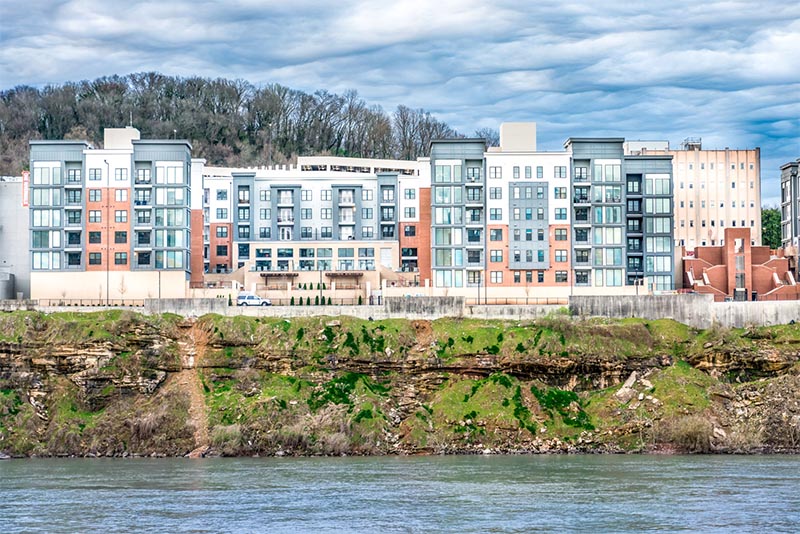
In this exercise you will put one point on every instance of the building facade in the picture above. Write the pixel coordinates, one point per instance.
(790, 206)
(713, 190)
(141, 219)
(342, 223)
(738, 270)
(110, 224)
(14, 257)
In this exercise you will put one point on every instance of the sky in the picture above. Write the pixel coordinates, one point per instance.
(725, 71)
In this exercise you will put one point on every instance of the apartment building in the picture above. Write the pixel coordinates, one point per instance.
(110, 224)
(342, 223)
(141, 219)
(713, 190)
(790, 206)
(588, 220)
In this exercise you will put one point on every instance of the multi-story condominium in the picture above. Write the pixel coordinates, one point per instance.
(343, 223)
(587, 220)
(113, 223)
(141, 218)
(713, 190)
(790, 209)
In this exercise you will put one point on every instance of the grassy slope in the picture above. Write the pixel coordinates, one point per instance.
(328, 386)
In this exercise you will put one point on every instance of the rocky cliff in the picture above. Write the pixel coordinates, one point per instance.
(117, 383)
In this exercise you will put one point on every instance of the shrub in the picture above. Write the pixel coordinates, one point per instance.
(291, 301)
(690, 433)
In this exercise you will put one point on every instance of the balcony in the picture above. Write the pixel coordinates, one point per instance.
(474, 221)
(285, 221)
(474, 199)
(285, 200)
(142, 202)
(347, 221)
(346, 200)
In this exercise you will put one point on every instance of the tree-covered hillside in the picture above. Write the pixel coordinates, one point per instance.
(229, 122)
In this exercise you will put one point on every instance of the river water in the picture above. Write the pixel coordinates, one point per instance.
(404, 494)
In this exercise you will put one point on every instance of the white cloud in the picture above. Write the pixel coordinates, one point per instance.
(725, 70)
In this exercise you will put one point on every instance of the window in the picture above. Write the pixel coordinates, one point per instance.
(325, 213)
(95, 174)
(387, 194)
(366, 213)
(243, 194)
(495, 172)
(496, 234)
(264, 232)
(120, 258)
(95, 195)
(74, 176)
(222, 213)
(496, 277)
(244, 232)
(326, 232)
(561, 214)
(528, 172)
(264, 214)
(516, 172)
(264, 195)
(325, 195)
(496, 256)
(581, 174)
(120, 237)
(540, 172)
(516, 213)
(367, 194)
(539, 192)
(410, 230)
(121, 174)
(222, 194)
(95, 237)
(410, 194)
(306, 194)
(561, 234)
(95, 258)
(244, 214)
(306, 232)
(410, 213)
(121, 195)
(222, 250)
(368, 232)
(529, 213)
(496, 214)
(540, 276)
(561, 277)
(495, 193)
(306, 214)
(559, 172)
(94, 216)
(120, 216)
(73, 217)
(560, 193)
(561, 255)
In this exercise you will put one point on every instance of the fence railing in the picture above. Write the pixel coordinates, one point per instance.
(132, 303)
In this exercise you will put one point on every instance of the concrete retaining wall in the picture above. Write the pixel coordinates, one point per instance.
(699, 311)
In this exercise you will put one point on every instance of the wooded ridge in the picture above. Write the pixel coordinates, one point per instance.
(228, 122)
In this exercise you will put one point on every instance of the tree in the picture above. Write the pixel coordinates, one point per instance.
(491, 136)
(771, 227)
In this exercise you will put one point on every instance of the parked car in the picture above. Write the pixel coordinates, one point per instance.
(249, 299)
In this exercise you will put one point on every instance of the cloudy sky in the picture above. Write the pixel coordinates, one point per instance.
(726, 71)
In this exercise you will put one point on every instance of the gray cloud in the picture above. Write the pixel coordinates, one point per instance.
(728, 71)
